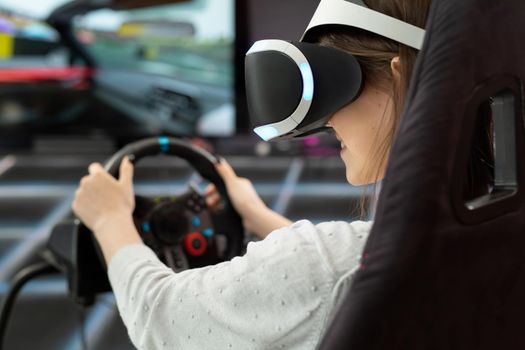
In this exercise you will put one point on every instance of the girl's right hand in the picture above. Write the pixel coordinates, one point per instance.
(242, 194)
(257, 218)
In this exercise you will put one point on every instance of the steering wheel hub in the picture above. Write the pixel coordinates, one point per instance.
(169, 223)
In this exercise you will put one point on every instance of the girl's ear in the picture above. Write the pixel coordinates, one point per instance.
(395, 65)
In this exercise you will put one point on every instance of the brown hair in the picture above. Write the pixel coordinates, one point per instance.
(375, 54)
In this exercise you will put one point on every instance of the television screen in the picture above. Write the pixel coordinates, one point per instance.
(180, 56)
(160, 69)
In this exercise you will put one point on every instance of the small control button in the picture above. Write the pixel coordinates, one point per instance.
(146, 228)
(195, 244)
(208, 232)
(195, 221)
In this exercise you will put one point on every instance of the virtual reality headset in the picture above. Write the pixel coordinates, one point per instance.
(293, 88)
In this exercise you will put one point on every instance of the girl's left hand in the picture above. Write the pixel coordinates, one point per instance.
(102, 198)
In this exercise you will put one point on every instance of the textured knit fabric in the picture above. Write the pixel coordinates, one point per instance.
(279, 295)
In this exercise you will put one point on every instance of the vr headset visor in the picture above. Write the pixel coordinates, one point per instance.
(293, 88)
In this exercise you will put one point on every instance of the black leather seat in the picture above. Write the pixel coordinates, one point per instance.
(436, 274)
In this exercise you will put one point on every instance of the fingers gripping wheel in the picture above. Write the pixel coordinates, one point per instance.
(181, 230)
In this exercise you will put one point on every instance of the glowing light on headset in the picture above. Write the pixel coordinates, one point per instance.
(266, 132)
(308, 81)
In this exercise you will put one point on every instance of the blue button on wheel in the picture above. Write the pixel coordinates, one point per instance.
(164, 144)
(196, 222)
(208, 232)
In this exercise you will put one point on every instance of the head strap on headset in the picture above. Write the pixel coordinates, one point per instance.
(355, 13)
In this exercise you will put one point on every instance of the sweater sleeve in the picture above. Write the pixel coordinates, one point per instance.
(278, 295)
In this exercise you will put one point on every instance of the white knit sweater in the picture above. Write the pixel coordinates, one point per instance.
(280, 294)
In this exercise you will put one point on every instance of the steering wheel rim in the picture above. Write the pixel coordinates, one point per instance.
(228, 222)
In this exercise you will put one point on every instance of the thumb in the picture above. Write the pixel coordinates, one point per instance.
(126, 173)
(225, 171)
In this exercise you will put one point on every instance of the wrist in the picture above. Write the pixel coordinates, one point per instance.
(252, 214)
(114, 233)
(111, 221)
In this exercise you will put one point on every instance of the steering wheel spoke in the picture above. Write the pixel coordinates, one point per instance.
(143, 205)
(176, 258)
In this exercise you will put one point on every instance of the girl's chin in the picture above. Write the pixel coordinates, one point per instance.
(355, 179)
(351, 178)
(353, 182)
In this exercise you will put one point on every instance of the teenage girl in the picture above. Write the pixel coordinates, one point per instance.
(282, 292)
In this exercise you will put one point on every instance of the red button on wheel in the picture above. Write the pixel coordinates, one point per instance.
(195, 244)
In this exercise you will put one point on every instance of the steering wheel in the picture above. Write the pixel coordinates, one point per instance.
(181, 229)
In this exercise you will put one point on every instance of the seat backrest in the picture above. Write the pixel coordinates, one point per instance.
(437, 272)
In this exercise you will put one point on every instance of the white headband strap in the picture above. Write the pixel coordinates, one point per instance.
(343, 12)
